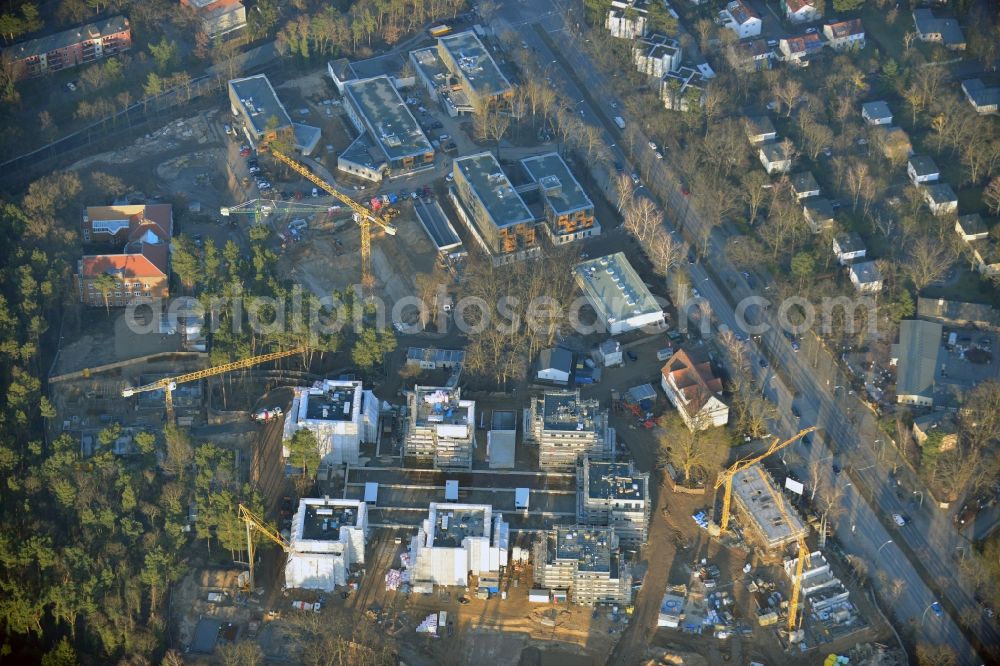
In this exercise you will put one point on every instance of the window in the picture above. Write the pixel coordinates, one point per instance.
(118, 294)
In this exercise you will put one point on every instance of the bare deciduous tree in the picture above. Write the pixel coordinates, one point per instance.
(927, 260)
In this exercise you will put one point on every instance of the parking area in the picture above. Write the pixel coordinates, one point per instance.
(965, 360)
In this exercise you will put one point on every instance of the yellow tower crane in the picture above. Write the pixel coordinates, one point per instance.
(726, 477)
(801, 560)
(253, 522)
(362, 215)
(168, 384)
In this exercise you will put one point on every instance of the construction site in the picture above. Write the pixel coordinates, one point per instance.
(448, 525)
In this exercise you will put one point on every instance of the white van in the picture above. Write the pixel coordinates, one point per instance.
(664, 354)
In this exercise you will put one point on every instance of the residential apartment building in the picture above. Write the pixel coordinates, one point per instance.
(567, 428)
(218, 17)
(742, 19)
(471, 64)
(380, 114)
(492, 209)
(135, 240)
(801, 11)
(620, 298)
(69, 48)
(585, 562)
(754, 495)
(656, 55)
(692, 387)
(849, 34)
(627, 19)
(682, 89)
(569, 212)
(614, 495)
(441, 430)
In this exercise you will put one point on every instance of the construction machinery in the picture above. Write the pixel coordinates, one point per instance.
(168, 384)
(253, 522)
(364, 217)
(800, 561)
(726, 477)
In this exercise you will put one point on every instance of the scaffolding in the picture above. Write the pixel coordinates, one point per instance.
(441, 429)
(567, 428)
(614, 495)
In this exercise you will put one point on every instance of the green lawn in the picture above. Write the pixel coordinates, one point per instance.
(969, 287)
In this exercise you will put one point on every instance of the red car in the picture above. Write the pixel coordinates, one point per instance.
(244, 151)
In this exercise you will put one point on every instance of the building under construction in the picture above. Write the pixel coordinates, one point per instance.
(327, 537)
(753, 498)
(441, 429)
(614, 495)
(566, 428)
(339, 413)
(585, 562)
(457, 539)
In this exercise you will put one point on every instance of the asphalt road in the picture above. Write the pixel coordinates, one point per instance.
(849, 430)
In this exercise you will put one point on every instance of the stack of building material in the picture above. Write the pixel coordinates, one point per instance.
(392, 579)
(429, 625)
(702, 519)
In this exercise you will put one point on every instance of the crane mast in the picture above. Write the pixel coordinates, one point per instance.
(364, 217)
(254, 522)
(793, 602)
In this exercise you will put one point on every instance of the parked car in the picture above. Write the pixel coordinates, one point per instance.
(900, 519)
(245, 150)
(71, 87)
(659, 155)
(450, 177)
(652, 145)
(635, 178)
(227, 128)
(810, 31)
(938, 610)
(632, 355)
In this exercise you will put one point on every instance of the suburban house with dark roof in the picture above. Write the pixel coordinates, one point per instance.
(849, 34)
(945, 31)
(848, 247)
(818, 212)
(759, 129)
(775, 157)
(866, 277)
(693, 388)
(971, 227)
(136, 240)
(801, 11)
(916, 357)
(876, 113)
(940, 198)
(752, 55)
(742, 19)
(983, 98)
(922, 169)
(795, 49)
(804, 185)
(69, 48)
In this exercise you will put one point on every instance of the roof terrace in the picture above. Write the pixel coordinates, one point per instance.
(493, 189)
(452, 523)
(441, 406)
(323, 521)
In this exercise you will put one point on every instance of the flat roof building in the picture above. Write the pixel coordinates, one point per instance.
(255, 102)
(585, 562)
(442, 428)
(917, 360)
(619, 297)
(456, 539)
(218, 17)
(491, 208)
(376, 109)
(467, 59)
(614, 495)
(327, 537)
(753, 496)
(569, 212)
(567, 428)
(437, 225)
(341, 415)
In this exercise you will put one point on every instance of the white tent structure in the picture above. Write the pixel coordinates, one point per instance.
(327, 537)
